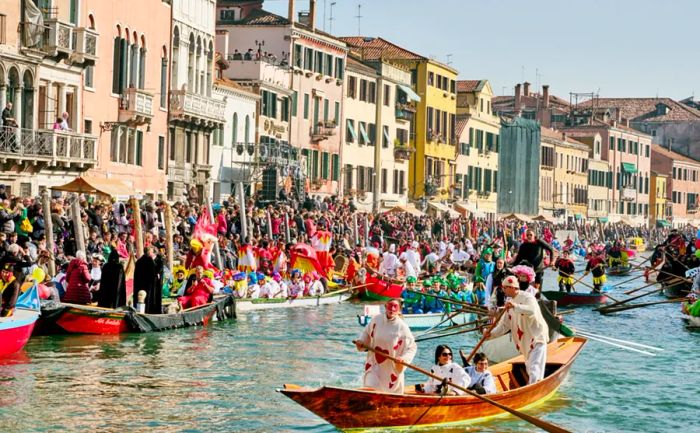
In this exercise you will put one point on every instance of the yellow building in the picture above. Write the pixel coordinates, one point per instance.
(477, 150)
(657, 200)
(432, 166)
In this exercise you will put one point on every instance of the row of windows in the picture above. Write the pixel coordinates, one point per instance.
(629, 146)
(685, 174)
(317, 109)
(442, 83)
(438, 128)
(484, 142)
(322, 165)
(269, 106)
(600, 178)
(366, 133)
(319, 62)
(632, 208)
(126, 146)
(680, 197)
(364, 180)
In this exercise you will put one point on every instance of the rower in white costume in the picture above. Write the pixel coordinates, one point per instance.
(524, 320)
(413, 256)
(408, 269)
(389, 262)
(387, 333)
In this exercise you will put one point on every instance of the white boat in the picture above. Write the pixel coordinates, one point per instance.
(247, 304)
(693, 322)
(419, 322)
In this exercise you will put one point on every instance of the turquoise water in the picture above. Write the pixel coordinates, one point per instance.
(223, 378)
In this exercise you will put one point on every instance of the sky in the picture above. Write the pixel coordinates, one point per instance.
(616, 48)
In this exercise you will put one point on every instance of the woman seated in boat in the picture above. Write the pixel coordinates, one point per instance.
(412, 301)
(480, 378)
(446, 368)
(199, 292)
(314, 286)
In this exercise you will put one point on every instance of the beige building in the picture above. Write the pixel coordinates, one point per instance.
(376, 118)
(568, 189)
(476, 183)
(599, 179)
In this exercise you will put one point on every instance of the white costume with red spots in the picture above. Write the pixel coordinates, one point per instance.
(530, 333)
(394, 338)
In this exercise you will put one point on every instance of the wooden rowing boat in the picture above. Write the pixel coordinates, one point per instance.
(86, 319)
(363, 408)
(676, 290)
(575, 298)
(418, 322)
(247, 304)
(619, 270)
(15, 330)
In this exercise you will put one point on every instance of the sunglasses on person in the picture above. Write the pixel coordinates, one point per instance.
(446, 354)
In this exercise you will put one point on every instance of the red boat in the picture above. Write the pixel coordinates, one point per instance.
(575, 298)
(381, 288)
(16, 329)
(86, 319)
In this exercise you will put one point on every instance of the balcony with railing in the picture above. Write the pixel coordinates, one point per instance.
(84, 46)
(323, 130)
(405, 111)
(692, 208)
(402, 153)
(628, 193)
(58, 37)
(48, 146)
(195, 108)
(136, 106)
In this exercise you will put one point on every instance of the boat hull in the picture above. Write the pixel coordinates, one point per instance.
(83, 319)
(575, 298)
(243, 305)
(16, 330)
(618, 271)
(693, 322)
(349, 409)
(679, 290)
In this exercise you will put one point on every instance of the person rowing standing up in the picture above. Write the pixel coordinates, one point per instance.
(566, 269)
(387, 333)
(533, 251)
(596, 265)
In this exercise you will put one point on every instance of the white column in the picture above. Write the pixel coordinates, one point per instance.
(48, 120)
(61, 99)
(18, 106)
(3, 95)
(78, 115)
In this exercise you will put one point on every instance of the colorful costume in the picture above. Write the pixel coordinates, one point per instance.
(596, 265)
(197, 294)
(566, 273)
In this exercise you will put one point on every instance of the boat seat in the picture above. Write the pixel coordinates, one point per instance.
(504, 378)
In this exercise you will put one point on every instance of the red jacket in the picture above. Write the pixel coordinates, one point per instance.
(77, 278)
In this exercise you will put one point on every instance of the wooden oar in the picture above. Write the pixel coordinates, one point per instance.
(449, 317)
(647, 304)
(627, 281)
(487, 332)
(346, 289)
(608, 307)
(644, 346)
(675, 280)
(544, 425)
(442, 334)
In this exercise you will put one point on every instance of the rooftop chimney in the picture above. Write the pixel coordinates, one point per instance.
(516, 99)
(526, 89)
(545, 96)
(290, 13)
(312, 14)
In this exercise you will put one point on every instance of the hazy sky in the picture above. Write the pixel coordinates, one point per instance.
(614, 47)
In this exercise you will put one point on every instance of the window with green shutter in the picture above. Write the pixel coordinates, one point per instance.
(337, 113)
(325, 110)
(335, 167)
(314, 164)
(324, 165)
(295, 100)
(495, 180)
(612, 143)
(487, 180)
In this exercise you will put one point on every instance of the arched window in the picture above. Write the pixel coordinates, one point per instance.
(210, 67)
(234, 130)
(91, 21)
(176, 57)
(142, 63)
(163, 77)
(247, 129)
(190, 65)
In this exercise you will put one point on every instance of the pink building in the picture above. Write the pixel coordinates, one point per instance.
(629, 154)
(125, 94)
(682, 186)
(317, 62)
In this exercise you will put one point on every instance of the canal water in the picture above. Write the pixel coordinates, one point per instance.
(223, 378)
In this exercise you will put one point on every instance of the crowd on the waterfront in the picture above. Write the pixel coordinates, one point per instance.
(459, 258)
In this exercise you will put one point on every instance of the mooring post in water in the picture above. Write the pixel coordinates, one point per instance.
(48, 230)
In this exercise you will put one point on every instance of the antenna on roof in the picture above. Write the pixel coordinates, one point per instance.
(330, 20)
(359, 18)
(449, 59)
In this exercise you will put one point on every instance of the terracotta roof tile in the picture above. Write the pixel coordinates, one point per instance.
(378, 48)
(261, 17)
(468, 85)
(461, 124)
(644, 109)
(657, 148)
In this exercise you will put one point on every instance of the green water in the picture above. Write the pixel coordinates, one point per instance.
(223, 378)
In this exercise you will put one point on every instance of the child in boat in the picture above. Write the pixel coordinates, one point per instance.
(296, 286)
(566, 269)
(413, 302)
(432, 303)
(480, 378)
(446, 368)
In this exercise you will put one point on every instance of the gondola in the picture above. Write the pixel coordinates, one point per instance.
(248, 304)
(363, 408)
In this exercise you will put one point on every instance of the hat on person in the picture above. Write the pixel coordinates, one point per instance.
(239, 276)
(511, 281)
(411, 279)
(98, 257)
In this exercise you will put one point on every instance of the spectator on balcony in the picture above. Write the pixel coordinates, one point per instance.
(64, 122)
(8, 120)
(248, 55)
(237, 55)
(57, 124)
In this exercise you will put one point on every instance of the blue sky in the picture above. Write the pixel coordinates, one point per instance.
(615, 47)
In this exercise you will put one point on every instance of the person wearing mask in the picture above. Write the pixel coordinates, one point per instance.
(387, 333)
(9, 286)
(112, 293)
(146, 278)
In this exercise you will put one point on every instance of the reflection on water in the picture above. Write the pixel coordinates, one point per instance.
(222, 378)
